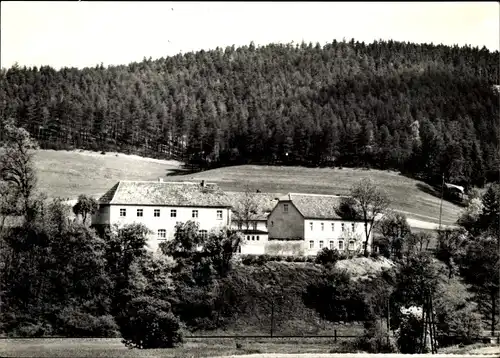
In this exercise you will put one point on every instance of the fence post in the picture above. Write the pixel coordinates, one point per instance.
(335, 335)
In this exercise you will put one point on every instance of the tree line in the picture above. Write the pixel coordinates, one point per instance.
(423, 109)
(61, 277)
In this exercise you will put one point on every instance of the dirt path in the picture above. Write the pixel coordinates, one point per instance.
(426, 225)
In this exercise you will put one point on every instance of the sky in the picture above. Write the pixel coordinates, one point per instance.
(84, 34)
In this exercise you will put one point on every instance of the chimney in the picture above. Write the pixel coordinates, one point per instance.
(160, 180)
(203, 183)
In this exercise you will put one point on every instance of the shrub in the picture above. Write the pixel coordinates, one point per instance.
(148, 322)
(29, 330)
(74, 323)
(375, 339)
(327, 257)
(409, 335)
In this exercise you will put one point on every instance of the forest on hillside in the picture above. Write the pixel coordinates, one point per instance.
(426, 110)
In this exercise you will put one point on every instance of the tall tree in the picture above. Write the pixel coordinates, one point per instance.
(372, 203)
(17, 169)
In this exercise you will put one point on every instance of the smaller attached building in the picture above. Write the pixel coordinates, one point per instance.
(312, 220)
(254, 227)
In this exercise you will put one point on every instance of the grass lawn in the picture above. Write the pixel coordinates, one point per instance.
(192, 347)
(405, 193)
(69, 173)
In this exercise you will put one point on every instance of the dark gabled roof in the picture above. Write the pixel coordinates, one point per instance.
(265, 201)
(108, 196)
(165, 194)
(315, 206)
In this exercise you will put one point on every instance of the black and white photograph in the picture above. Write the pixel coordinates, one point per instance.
(249, 179)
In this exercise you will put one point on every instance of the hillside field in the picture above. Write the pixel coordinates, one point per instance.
(67, 174)
(408, 196)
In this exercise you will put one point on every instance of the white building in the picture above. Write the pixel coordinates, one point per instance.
(161, 205)
(312, 220)
(253, 226)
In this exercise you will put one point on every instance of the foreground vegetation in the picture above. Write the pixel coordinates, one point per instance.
(61, 277)
(422, 109)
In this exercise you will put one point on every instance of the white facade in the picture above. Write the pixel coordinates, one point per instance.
(161, 220)
(255, 237)
(336, 234)
(254, 243)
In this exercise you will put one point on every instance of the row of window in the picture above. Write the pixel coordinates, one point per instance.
(332, 245)
(162, 234)
(173, 213)
(342, 226)
(254, 225)
(254, 237)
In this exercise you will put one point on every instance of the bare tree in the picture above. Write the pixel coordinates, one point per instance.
(372, 203)
(17, 171)
(247, 209)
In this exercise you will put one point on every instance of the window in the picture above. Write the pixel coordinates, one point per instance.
(322, 226)
(162, 234)
(255, 225)
(203, 233)
(333, 226)
(351, 245)
(156, 213)
(342, 226)
(219, 214)
(194, 214)
(257, 237)
(123, 212)
(285, 208)
(341, 245)
(311, 244)
(248, 237)
(353, 226)
(240, 225)
(321, 244)
(331, 245)
(173, 213)
(272, 223)
(253, 238)
(311, 226)
(140, 213)
(239, 249)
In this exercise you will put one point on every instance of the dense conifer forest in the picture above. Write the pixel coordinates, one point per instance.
(426, 110)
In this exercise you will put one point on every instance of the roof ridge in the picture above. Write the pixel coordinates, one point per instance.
(165, 182)
(114, 193)
(314, 194)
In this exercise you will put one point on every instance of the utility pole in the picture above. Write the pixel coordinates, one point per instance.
(441, 205)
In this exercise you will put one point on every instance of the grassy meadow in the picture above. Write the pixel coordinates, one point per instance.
(69, 173)
(192, 348)
(409, 196)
